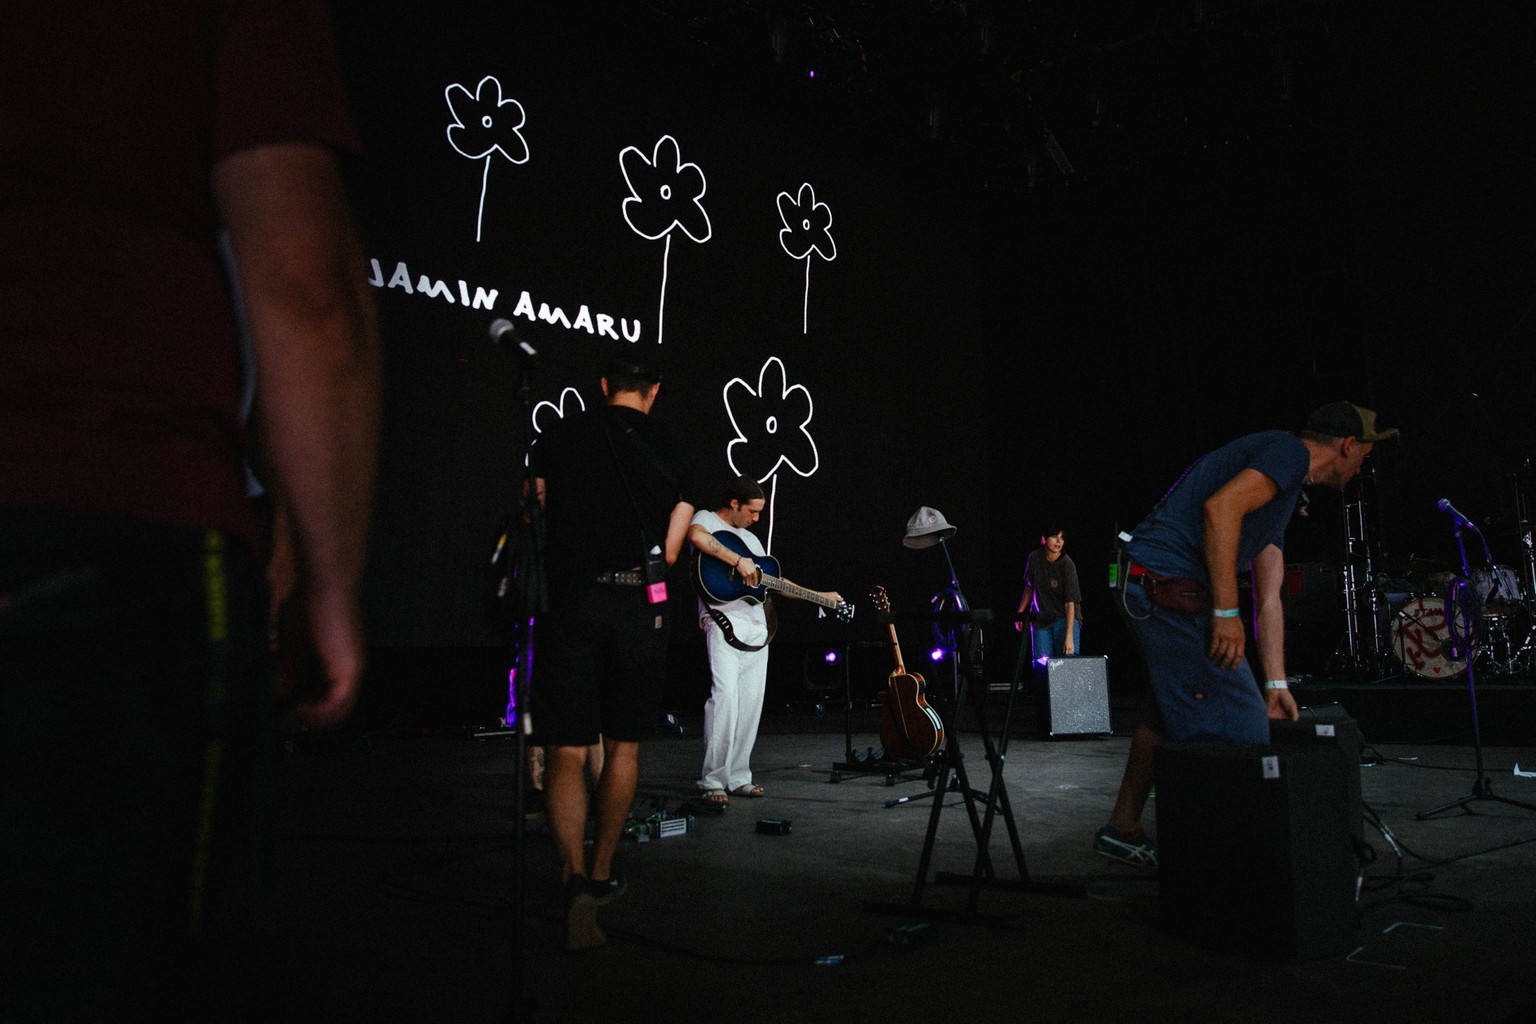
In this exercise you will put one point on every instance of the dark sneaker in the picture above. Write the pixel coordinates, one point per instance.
(1133, 848)
(581, 930)
(608, 890)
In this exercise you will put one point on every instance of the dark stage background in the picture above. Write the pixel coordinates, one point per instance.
(1076, 245)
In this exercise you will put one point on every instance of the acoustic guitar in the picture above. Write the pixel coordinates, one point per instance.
(719, 585)
(909, 727)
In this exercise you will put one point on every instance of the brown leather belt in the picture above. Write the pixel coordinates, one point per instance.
(623, 578)
(1174, 593)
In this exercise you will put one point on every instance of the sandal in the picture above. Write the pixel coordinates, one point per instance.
(717, 797)
(749, 790)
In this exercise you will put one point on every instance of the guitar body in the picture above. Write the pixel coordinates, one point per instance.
(909, 728)
(892, 741)
(917, 723)
(719, 585)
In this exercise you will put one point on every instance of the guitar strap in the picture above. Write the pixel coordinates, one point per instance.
(730, 634)
(645, 535)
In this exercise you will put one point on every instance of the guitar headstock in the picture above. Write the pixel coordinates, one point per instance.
(881, 599)
(843, 611)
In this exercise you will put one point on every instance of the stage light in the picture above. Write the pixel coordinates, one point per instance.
(937, 654)
(832, 657)
(509, 718)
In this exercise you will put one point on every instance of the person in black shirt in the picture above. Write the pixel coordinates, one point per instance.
(615, 519)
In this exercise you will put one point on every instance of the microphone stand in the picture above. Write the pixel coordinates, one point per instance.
(1464, 605)
(527, 582)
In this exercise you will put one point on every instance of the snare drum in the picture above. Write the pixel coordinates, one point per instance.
(1498, 588)
(1419, 635)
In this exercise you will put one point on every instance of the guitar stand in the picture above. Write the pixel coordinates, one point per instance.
(993, 803)
(893, 768)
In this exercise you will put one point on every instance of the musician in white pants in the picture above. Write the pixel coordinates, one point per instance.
(736, 639)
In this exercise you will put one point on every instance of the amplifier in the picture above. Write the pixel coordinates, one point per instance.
(1255, 850)
(1330, 725)
(1072, 695)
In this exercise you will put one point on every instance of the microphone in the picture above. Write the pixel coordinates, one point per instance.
(1444, 505)
(504, 333)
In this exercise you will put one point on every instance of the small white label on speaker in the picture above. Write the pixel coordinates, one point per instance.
(1271, 767)
(1324, 729)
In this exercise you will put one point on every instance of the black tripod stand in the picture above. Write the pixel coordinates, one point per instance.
(1464, 621)
(960, 629)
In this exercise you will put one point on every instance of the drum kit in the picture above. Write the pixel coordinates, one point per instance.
(1420, 619)
(1495, 629)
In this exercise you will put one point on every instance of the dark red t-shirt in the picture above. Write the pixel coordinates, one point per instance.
(120, 378)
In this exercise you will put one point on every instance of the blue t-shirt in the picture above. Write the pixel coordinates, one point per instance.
(1170, 540)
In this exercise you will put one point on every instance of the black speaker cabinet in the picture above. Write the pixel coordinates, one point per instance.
(1255, 851)
(1330, 725)
(1073, 695)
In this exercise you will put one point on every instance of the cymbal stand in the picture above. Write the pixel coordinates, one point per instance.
(1523, 514)
(1524, 658)
(1463, 619)
(1365, 650)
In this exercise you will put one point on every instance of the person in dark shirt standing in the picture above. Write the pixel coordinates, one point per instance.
(615, 519)
(1052, 599)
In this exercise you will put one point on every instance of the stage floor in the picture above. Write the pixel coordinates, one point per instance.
(404, 896)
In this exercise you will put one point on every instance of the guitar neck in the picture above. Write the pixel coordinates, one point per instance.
(796, 591)
(901, 669)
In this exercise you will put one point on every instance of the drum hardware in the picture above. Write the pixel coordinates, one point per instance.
(1365, 651)
(1524, 658)
(1526, 520)
(1498, 652)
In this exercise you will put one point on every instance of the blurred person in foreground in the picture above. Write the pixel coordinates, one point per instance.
(137, 626)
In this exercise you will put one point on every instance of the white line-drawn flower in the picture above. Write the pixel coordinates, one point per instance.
(807, 229)
(483, 125)
(558, 409)
(664, 193)
(772, 427)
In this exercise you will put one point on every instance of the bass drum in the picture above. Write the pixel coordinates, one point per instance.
(1419, 639)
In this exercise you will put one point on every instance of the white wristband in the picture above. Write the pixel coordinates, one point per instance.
(1277, 684)
(1224, 613)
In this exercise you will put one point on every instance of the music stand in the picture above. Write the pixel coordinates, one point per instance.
(1464, 622)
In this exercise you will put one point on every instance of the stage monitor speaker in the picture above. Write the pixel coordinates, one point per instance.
(1330, 725)
(1255, 852)
(1073, 695)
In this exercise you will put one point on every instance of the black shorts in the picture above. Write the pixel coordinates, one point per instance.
(600, 662)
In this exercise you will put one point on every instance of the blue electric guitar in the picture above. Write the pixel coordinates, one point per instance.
(718, 584)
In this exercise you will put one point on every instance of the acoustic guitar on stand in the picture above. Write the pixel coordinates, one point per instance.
(909, 728)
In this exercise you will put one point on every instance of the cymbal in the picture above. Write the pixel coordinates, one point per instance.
(1411, 565)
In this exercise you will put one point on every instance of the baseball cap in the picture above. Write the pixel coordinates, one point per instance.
(1345, 419)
